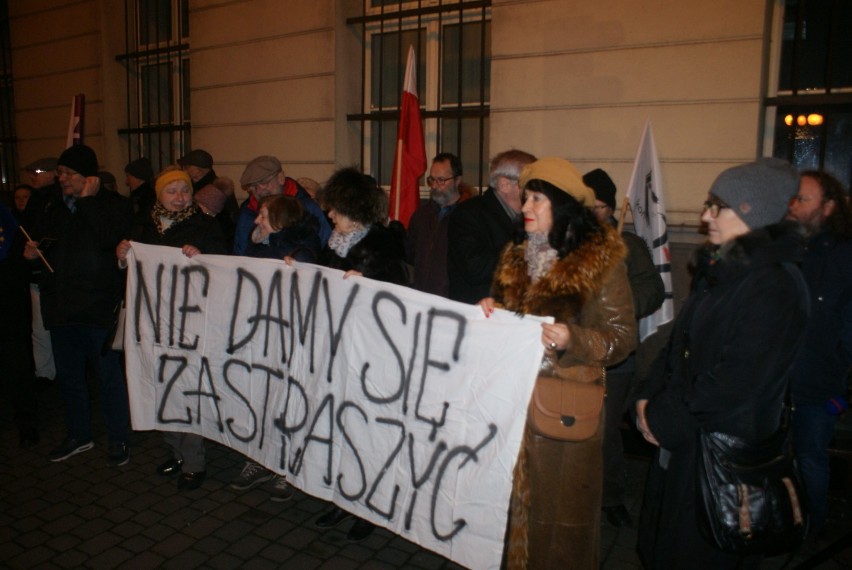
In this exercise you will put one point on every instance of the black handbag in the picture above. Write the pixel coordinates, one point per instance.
(752, 494)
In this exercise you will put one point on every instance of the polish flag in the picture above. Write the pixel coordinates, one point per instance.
(75, 123)
(409, 162)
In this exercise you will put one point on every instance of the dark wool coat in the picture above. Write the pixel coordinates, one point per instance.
(726, 369)
(426, 247)
(556, 495)
(86, 284)
(199, 230)
(300, 241)
(479, 229)
(379, 256)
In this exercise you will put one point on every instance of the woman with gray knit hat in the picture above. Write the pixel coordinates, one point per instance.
(726, 367)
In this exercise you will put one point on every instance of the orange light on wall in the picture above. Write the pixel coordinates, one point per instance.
(801, 120)
(788, 120)
(814, 119)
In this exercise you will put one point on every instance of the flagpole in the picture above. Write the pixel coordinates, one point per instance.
(396, 196)
(624, 207)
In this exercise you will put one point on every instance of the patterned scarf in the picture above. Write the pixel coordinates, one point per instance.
(164, 219)
(539, 256)
(341, 243)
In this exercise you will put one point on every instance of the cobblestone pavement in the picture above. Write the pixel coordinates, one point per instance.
(81, 513)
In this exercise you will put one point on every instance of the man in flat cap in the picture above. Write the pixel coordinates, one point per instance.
(198, 163)
(77, 235)
(139, 177)
(263, 177)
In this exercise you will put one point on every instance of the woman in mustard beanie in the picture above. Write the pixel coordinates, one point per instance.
(176, 221)
(568, 266)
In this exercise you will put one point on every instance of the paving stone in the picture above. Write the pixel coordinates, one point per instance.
(303, 562)
(111, 558)
(72, 559)
(33, 538)
(247, 546)
(174, 545)
(32, 558)
(90, 528)
(224, 562)
(427, 561)
(63, 542)
(188, 559)
(277, 553)
(138, 544)
(144, 561)
(99, 543)
(393, 556)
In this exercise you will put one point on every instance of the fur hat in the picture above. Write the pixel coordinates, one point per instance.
(141, 169)
(758, 192)
(170, 176)
(211, 198)
(260, 169)
(599, 181)
(42, 165)
(561, 174)
(197, 157)
(79, 158)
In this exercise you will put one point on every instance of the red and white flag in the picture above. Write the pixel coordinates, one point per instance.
(75, 123)
(645, 194)
(409, 161)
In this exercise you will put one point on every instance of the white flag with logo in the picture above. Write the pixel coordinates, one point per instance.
(645, 194)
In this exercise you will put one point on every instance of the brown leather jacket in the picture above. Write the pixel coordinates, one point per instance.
(556, 483)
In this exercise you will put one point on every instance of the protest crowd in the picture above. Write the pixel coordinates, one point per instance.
(763, 341)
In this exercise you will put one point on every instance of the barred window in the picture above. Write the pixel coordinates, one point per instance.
(452, 41)
(157, 63)
(8, 140)
(810, 102)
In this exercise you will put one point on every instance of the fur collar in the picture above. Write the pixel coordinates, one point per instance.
(574, 279)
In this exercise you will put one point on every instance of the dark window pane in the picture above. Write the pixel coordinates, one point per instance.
(185, 83)
(388, 67)
(822, 56)
(467, 61)
(382, 171)
(467, 147)
(838, 153)
(155, 21)
(184, 19)
(801, 143)
(156, 94)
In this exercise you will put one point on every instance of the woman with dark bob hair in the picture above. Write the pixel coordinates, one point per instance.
(568, 266)
(360, 245)
(282, 229)
(359, 242)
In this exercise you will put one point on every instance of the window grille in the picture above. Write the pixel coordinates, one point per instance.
(812, 105)
(8, 140)
(157, 63)
(452, 41)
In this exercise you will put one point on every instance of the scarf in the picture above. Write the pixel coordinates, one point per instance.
(341, 243)
(539, 256)
(164, 219)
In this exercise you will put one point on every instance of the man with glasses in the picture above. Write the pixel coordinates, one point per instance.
(648, 294)
(264, 177)
(482, 226)
(820, 372)
(426, 242)
(77, 234)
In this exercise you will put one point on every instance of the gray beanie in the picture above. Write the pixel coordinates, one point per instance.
(758, 192)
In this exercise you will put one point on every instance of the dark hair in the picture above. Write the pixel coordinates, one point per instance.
(573, 223)
(284, 211)
(25, 187)
(839, 223)
(455, 163)
(355, 195)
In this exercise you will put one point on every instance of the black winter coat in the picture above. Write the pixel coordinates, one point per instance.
(199, 230)
(478, 231)
(300, 241)
(87, 283)
(726, 368)
(379, 255)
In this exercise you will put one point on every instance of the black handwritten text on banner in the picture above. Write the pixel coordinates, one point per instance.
(403, 408)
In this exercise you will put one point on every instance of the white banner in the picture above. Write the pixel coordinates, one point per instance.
(404, 408)
(645, 194)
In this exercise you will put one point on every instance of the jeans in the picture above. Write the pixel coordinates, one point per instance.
(75, 347)
(813, 429)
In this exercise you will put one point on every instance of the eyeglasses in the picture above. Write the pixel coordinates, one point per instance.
(714, 206)
(439, 180)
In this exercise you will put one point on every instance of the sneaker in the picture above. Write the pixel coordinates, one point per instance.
(68, 448)
(118, 455)
(251, 476)
(279, 490)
